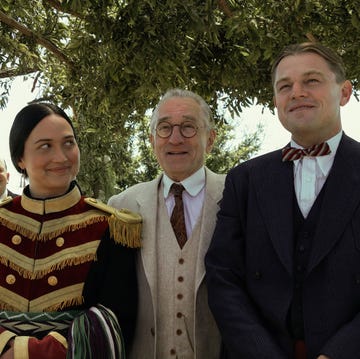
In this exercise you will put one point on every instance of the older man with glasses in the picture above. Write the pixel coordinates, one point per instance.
(179, 209)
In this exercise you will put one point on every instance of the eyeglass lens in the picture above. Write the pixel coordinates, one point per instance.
(187, 129)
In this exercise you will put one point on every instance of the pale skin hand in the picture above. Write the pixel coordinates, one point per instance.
(9, 354)
(323, 357)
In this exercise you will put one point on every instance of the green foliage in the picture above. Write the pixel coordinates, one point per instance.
(108, 61)
(227, 153)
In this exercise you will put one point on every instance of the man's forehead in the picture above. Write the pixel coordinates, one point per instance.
(185, 117)
(308, 60)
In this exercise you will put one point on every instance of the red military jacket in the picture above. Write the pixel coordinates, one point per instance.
(47, 248)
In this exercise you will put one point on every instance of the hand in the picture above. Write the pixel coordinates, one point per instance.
(9, 354)
(319, 357)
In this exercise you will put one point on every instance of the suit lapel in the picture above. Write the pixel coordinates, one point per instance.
(148, 209)
(213, 194)
(275, 195)
(340, 200)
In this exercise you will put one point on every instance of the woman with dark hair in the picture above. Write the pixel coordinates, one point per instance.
(61, 253)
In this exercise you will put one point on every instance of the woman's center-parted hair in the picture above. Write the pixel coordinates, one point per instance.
(24, 122)
(206, 114)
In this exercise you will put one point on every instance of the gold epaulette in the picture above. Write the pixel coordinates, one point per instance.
(6, 200)
(124, 225)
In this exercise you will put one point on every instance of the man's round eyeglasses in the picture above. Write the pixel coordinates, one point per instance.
(187, 129)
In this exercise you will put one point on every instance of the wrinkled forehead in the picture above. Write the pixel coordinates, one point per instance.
(180, 108)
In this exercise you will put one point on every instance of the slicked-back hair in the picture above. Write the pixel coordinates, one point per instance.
(334, 61)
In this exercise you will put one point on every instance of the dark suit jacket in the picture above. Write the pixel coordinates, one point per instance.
(250, 261)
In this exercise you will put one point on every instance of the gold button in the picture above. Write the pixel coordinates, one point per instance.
(16, 239)
(52, 280)
(60, 241)
(10, 279)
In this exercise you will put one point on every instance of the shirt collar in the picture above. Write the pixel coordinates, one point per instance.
(4, 194)
(193, 184)
(324, 162)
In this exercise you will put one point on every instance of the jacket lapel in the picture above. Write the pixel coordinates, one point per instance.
(213, 194)
(275, 195)
(340, 200)
(148, 209)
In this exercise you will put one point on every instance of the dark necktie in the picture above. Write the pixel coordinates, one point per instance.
(292, 154)
(177, 218)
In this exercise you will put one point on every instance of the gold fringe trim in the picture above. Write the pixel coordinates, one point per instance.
(42, 273)
(8, 307)
(127, 234)
(53, 308)
(65, 304)
(50, 235)
(125, 225)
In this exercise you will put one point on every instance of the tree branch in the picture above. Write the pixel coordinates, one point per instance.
(39, 39)
(17, 72)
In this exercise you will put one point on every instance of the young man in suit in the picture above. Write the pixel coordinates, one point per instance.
(4, 179)
(283, 267)
(174, 320)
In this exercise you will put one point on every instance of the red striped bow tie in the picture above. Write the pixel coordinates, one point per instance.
(292, 154)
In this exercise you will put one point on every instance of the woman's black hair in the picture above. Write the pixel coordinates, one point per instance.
(24, 123)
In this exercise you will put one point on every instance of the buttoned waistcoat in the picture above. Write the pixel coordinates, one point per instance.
(142, 199)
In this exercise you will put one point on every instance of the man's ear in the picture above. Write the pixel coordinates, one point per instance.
(210, 140)
(346, 92)
(274, 101)
(152, 140)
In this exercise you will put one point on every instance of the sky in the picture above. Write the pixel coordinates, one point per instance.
(275, 136)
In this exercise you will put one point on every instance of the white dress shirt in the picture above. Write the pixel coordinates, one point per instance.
(310, 174)
(193, 197)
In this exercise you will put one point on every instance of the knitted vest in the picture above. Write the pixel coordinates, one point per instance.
(176, 290)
